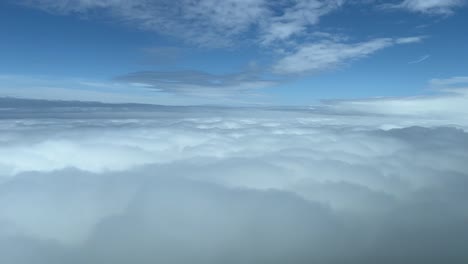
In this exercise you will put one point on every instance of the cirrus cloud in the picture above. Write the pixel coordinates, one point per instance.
(325, 55)
(431, 6)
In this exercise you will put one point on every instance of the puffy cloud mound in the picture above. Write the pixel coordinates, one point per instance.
(103, 184)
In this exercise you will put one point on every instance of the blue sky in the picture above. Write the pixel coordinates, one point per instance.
(230, 52)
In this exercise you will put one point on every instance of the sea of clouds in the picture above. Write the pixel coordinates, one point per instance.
(131, 184)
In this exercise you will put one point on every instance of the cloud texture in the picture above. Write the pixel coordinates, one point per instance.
(444, 7)
(204, 22)
(133, 184)
(325, 55)
(197, 83)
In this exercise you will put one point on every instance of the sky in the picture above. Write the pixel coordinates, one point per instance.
(245, 52)
(247, 131)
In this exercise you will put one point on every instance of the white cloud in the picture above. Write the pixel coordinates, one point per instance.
(315, 57)
(284, 27)
(459, 80)
(448, 106)
(296, 19)
(219, 185)
(421, 59)
(91, 184)
(409, 40)
(222, 23)
(431, 6)
(205, 22)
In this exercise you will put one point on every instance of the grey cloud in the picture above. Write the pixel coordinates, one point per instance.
(198, 83)
(175, 220)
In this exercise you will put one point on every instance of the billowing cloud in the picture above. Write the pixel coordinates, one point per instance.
(148, 184)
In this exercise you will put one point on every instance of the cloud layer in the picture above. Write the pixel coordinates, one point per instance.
(447, 106)
(141, 184)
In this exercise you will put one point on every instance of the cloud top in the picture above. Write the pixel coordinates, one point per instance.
(126, 184)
